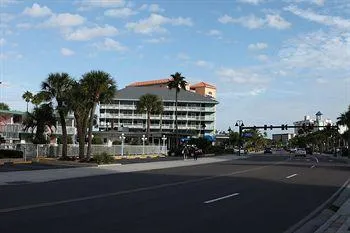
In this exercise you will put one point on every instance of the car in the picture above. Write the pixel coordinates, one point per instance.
(300, 152)
(267, 151)
(293, 150)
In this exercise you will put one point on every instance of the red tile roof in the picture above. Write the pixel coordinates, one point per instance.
(150, 83)
(203, 84)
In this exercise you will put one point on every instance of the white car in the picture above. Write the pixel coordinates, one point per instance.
(300, 152)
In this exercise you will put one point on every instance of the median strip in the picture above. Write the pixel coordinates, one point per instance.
(288, 177)
(221, 198)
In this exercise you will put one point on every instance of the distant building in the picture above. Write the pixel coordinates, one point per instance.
(283, 138)
(318, 122)
(11, 125)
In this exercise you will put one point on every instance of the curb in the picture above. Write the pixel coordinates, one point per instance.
(109, 165)
(14, 162)
(320, 212)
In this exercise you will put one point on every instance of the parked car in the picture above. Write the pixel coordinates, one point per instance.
(300, 152)
(268, 151)
(293, 150)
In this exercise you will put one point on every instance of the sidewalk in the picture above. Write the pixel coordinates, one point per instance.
(35, 176)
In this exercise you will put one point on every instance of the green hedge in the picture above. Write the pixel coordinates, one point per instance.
(5, 154)
(103, 158)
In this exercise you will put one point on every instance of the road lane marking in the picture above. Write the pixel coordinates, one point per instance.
(123, 192)
(221, 198)
(288, 177)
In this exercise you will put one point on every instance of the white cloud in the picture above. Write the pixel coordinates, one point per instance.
(214, 32)
(258, 46)
(321, 81)
(85, 33)
(155, 22)
(24, 25)
(152, 8)
(37, 11)
(87, 4)
(204, 64)
(317, 2)
(4, 3)
(2, 41)
(110, 45)
(6, 17)
(322, 19)
(156, 40)
(253, 22)
(241, 76)
(120, 13)
(67, 52)
(254, 2)
(318, 51)
(262, 57)
(183, 56)
(64, 20)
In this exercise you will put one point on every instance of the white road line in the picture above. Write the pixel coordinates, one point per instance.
(221, 198)
(288, 177)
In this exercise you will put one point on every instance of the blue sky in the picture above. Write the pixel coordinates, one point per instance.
(273, 61)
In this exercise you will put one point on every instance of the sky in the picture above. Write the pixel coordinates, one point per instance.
(272, 61)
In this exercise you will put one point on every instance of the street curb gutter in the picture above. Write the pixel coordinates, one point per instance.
(318, 210)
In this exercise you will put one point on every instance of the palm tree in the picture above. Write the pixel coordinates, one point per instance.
(27, 96)
(41, 118)
(101, 88)
(56, 87)
(79, 104)
(39, 98)
(178, 83)
(344, 119)
(149, 104)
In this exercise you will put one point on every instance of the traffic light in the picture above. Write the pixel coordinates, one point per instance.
(286, 127)
(282, 127)
(271, 127)
(265, 127)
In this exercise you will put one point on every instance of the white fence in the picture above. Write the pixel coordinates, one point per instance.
(35, 150)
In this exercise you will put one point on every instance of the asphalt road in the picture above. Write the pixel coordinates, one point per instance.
(260, 194)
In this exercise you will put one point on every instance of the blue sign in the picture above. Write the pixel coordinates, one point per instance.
(247, 135)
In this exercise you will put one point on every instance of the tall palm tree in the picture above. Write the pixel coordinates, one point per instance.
(178, 83)
(149, 104)
(101, 88)
(56, 87)
(27, 96)
(344, 119)
(80, 105)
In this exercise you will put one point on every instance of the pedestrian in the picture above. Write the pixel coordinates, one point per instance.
(185, 152)
(195, 154)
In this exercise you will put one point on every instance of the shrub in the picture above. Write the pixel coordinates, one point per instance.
(97, 140)
(103, 158)
(11, 154)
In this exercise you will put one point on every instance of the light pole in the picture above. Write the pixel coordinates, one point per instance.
(122, 150)
(143, 144)
(164, 139)
(240, 124)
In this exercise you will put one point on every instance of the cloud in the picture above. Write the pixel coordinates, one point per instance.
(87, 4)
(214, 32)
(156, 40)
(318, 50)
(183, 56)
(11, 55)
(2, 41)
(318, 18)
(204, 64)
(241, 76)
(258, 46)
(253, 22)
(154, 24)
(317, 2)
(24, 25)
(85, 33)
(262, 57)
(253, 2)
(64, 20)
(4, 3)
(321, 81)
(110, 45)
(152, 8)
(120, 13)
(67, 52)
(37, 11)
(6, 17)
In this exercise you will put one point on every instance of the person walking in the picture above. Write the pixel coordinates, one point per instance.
(185, 152)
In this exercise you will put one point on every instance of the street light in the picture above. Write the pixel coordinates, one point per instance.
(143, 143)
(122, 138)
(240, 124)
(164, 139)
